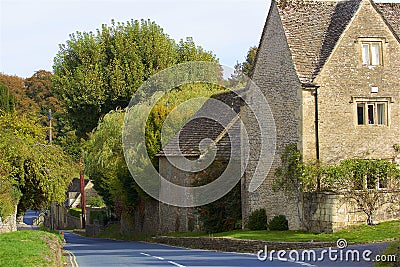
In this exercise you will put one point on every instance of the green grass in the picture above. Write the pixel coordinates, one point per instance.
(28, 248)
(386, 231)
(392, 249)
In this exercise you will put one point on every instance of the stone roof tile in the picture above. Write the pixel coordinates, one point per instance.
(312, 30)
(391, 13)
(200, 128)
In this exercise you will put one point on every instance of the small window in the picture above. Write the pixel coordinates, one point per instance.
(376, 181)
(360, 113)
(372, 53)
(372, 113)
(381, 110)
(382, 182)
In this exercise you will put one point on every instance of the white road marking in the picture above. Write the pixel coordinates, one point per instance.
(176, 264)
(145, 254)
(162, 259)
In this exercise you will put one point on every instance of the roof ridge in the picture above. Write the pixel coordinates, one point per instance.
(284, 3)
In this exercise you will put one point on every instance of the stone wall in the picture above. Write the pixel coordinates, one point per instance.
(275, 75)
(143, 221)
(73, 222)
(330, 212)
(171, 218)
(9, 224)
(237, 245)
(344, 78)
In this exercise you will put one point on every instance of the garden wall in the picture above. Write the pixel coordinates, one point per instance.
(330, 212)
(9, 224)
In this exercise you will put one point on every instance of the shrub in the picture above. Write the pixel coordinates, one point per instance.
(99, 215)
(257, 220)
(96, 201)
(221, 215)
(76, 212)
(278, 223)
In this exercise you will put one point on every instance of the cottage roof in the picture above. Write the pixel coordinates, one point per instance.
(391, 13)
(202, 127)
(313, 28)
(75, 185)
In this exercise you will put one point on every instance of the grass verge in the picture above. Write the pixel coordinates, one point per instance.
(392, 249)
(30, 248)
(386, 231)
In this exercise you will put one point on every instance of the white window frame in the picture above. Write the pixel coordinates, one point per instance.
(369, 57)
(376, 102)
(373, 118)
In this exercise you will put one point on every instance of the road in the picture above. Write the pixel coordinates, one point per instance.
(29, 216)
(27, 222)
(103, 252)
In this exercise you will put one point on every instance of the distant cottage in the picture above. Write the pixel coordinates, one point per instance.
(330, 72)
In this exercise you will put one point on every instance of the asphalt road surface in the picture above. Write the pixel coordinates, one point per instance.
(29, 216)
(85, 251)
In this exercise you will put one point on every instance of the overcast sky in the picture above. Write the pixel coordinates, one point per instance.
(31, 30)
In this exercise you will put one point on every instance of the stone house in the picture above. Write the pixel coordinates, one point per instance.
(330, 72)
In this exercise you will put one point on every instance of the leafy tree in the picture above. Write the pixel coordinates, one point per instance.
(7, 100)
(9, 194)
(39, 89)
(361, 181)
(97, 73)
(248, 66)
(188, 51)
(96, 201)
(16, 87)
(243, 70)
(105, 164)
(41, 173)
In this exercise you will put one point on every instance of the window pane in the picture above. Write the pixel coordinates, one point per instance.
(360, 114)
(381, 114)
(371, 181)
(383, 181)
(375, 54)
(365, 54)
(371, 114)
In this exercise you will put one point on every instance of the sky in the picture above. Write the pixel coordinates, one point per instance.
(31, 30)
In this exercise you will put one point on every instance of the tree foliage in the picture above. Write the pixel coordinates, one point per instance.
(95, 73)
(39, 172)
(105, 164)
(16, 87)
(224, 214)
(243, 70)
(7, 100)
(362, 181)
